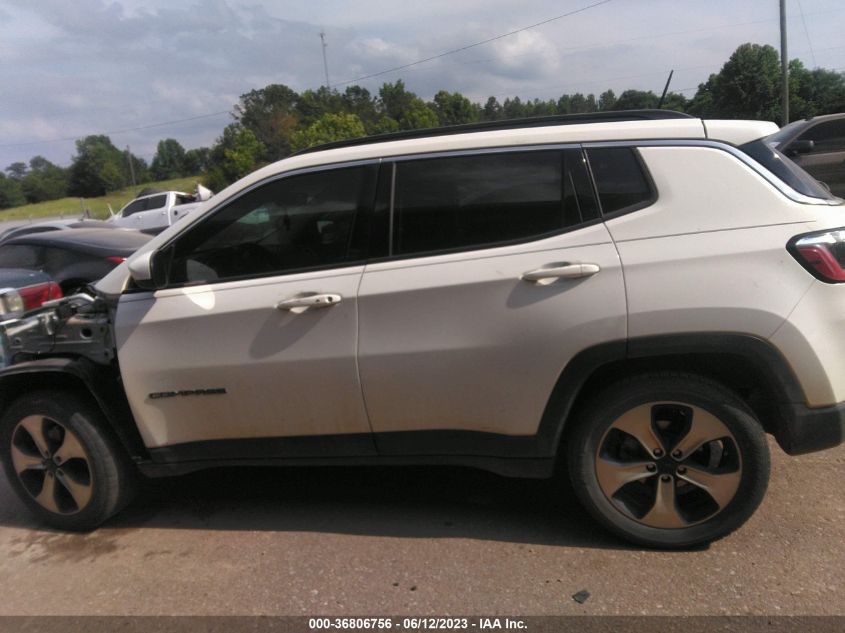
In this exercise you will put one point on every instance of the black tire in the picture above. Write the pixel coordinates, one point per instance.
(104, 473)
(646, 397)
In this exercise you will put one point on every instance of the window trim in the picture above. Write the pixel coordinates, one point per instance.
(368, 210)
(508, 149)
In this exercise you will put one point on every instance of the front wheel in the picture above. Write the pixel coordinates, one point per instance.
(669, 460)
(62, 461)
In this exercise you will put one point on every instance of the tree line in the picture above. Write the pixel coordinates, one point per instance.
(272, 122)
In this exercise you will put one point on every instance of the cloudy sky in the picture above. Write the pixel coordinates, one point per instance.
(176, 67)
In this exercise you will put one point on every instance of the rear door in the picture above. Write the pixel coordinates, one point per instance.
(499, 271)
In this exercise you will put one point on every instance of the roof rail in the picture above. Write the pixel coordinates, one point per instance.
(508, 124)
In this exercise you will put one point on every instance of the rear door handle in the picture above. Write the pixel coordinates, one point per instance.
(303, 302)
(562, 271)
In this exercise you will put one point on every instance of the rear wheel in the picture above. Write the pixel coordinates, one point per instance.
(669, 460)
(62, 460)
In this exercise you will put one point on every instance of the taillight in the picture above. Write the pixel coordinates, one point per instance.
(823, 254)
(34, 296)
(114, 259)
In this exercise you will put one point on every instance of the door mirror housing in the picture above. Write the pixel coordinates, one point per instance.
(141, 270)
(149, 270)
(796, 148)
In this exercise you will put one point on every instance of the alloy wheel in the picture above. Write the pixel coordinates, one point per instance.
(668, 465)
(51, 464)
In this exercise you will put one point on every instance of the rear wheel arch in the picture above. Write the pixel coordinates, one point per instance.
(746, 365)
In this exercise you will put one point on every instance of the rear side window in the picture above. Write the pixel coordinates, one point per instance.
(156, 202)
(620, 180)
(20, 256)
(58, 260)
(465, 202)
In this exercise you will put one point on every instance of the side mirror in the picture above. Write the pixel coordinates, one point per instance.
(141, 270)
(800, 147)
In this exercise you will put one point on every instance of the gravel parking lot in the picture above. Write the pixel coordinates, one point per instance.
(418, 541)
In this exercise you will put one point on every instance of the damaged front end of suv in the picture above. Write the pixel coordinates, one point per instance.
(78, 326)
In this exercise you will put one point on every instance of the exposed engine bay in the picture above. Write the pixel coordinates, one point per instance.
(76, 325)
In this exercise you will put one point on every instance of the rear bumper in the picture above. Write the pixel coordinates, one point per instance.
(808, 430)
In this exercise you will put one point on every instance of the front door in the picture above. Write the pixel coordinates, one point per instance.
(252, 340)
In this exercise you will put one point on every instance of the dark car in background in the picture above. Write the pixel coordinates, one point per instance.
(73, 258)
(51, 225)
(818, 145)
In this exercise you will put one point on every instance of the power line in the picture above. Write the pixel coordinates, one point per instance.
(473, 45)
(807, 33)
(123, 131)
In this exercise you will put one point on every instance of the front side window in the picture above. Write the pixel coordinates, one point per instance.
(620, 180)
(300, 222)
(464, 202)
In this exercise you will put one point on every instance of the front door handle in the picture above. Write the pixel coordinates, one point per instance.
(303, 302)
(561, 271)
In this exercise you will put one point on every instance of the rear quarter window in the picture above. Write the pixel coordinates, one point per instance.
(621, 182)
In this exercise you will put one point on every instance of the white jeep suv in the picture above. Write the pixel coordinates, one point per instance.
(644, 295)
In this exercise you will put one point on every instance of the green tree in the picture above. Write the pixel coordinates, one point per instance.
(579, 104)
(492, 110)
(10, 193)
(385, 125)
(394, 100)
(747, 87)
(313, 104)
(817, 91)
(359, 101)
(196, 161)
(44, 181)
(236, 153)
(607, 100)
(269, 113)
(330, 127)
(452, 108)
(100, 167)
(636, 100)
(417, 116)
(16, 170)
(169, 160)
(513, 108)
(564, 104)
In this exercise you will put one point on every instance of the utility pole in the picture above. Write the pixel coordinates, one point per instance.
(325, 63)
(131, 166)
(784, 63)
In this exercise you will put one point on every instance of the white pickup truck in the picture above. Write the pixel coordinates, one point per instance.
(157, 210)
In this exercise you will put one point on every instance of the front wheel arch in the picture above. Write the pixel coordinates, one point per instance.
(99, 383)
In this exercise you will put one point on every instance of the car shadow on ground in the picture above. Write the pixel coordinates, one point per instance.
(404, 502)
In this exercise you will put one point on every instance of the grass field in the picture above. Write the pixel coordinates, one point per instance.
(73, 207)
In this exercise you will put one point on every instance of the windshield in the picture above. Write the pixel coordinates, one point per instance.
(781, 166)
